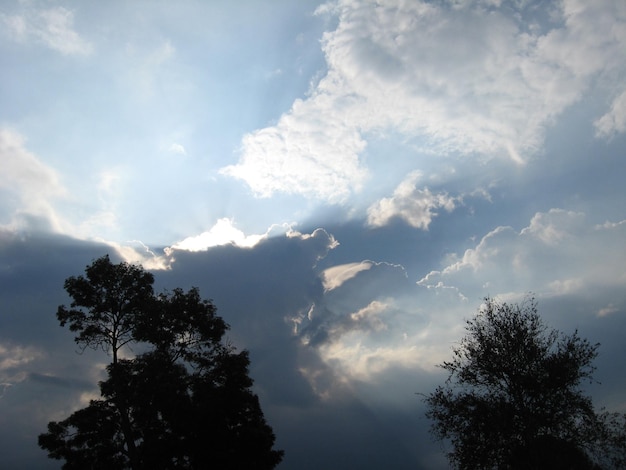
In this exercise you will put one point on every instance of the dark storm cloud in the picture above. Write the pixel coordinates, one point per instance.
(257, 290)
(318, 418)
(43, 376)
(33, 268)
(337, 365)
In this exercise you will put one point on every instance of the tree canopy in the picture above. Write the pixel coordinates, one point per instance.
(184, 402)
(512, 399)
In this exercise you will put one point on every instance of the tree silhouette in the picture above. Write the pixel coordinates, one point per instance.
(106, 303)
(512, 398)
(184, 402)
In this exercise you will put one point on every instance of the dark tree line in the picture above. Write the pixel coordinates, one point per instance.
(512, 399)
(183, 402)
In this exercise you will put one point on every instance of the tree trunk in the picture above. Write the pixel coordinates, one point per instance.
(120, 403)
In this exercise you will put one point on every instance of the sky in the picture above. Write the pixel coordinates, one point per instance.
(347, 180)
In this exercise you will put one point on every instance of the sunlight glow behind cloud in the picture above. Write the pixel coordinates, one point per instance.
(222, 233)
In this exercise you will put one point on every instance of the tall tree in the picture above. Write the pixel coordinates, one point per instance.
(106, 302)
(513, 400)
(185, 402)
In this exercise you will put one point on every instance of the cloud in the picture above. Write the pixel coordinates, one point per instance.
(415, 206)
(52, 27)
(310, 151)
(32, 184)
(592, 36)
(136, 252)
(610, 309)
(257, 290)
(471, 79)
(367, 324)
(545, 257)
(42, 376)
(330, 327)
(335, 276)
(177, 149)
(341, 336)
(358, 361)
(223, 232)
(615, 120)
(372, 320)
(13, 358)
(377, 334)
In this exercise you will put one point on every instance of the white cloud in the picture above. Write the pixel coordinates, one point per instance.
(310, 151)
(136, 252)
(416, 206)
(53, 27)
(559, 253)
(610, 225)
(32, 184)
(591, 40)
(22, 170)
(13, 358)
(547, 258)
(370, 316)
(469, 80)
(381, 337)
(554, 227)
(615, 120)
(334, 277)
(222, 233)
(362, 362)
(610, 309)
(178, 149)
(364, 327)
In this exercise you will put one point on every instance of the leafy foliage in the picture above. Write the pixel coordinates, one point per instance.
(106, 303)
(185, 402)
(513, 400)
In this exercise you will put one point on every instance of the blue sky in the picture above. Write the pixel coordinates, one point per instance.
(346, 179)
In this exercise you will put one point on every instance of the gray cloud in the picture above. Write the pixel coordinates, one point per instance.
(345, 379)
